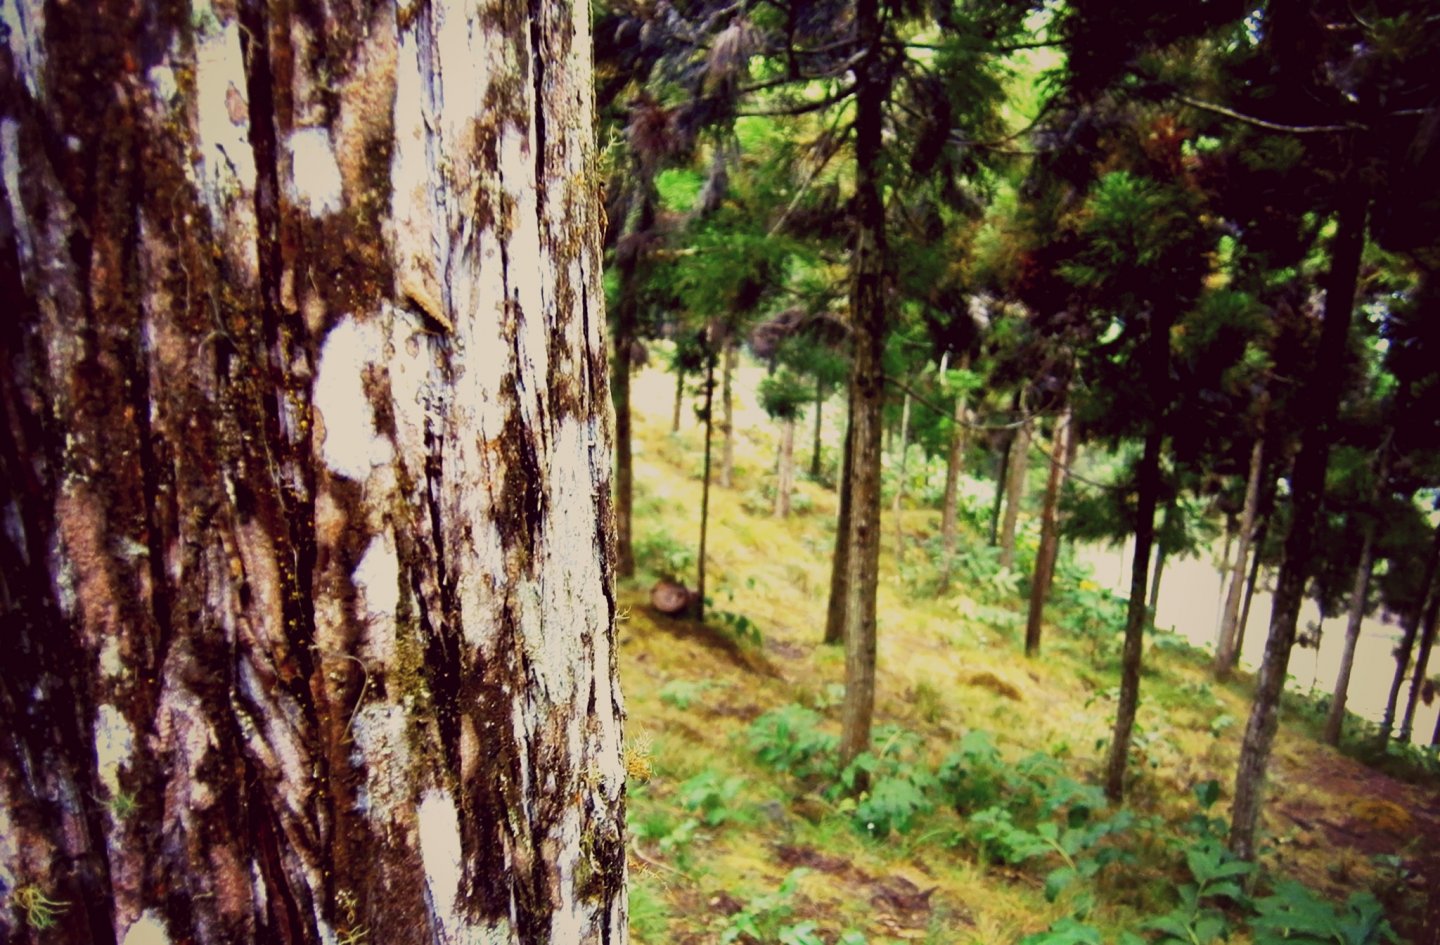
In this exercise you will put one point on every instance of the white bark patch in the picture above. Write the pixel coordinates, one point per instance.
(10, 175)
(315, 174)
(114, 745)
(351, 446)
(25, 29)
(382, 746)
(377, 577)
(228, 164)
(441, 854)
(149, 929)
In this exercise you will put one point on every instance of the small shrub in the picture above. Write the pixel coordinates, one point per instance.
(1294, 915)
(789, 739)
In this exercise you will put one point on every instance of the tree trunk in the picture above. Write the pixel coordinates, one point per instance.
(1137, 616)
(1250, 585)
(785, 479)
(1002, 479)
(1359, 595)
(620, 395)
(868, 310)
(950, 507)
(705, 480)
(307, 573)
(727, 425)
(679, 398)
(900, 480)
(840, 559)
(1307, 489)
(1162, 554)
(819, 423)
(1410, 630)
(1014, 493)
(1049, 533)
(1422, 662)
(1226, 648)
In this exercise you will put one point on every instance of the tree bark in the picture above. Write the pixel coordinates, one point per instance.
(1049, 533)
(727, 406)
(950, 506)
(1307, 489)
(840, 558)
(1137, 615)
(1250, 585)
(1410, 630)
(785, 477)
(868, 309)
(1226, 647)
(307, 573)
(1359, 596)
(625, 320)
(900, 481)
(1422, 662)
(679, 398)
(1014, 492)
(1162, 554)
(705, 481)
(819, 424)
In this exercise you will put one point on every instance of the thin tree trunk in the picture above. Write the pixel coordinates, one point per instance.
(1422, 663)
(868, 309)
(1136, 617)
(1359, 596)
(900, 483)
(1014, 493)
(1410, 630)
(819, 424)
(840, 558)
(620, 395)
(785, 478)
(1307, 489)
(1226, 646)
(1049, 533)
(679, 398)
(1002, 478)
(727, 405)
(699, 608)
(1250, 586)
(950, 507)
(1162, 554)
(262, 466)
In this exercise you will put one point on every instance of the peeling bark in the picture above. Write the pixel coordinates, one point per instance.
(306, 441)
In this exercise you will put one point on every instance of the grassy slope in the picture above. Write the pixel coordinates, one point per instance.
(945, 668)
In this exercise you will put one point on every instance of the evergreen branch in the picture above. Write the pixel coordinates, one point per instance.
(1263, 123)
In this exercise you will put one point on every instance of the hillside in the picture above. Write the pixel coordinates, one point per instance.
(984, 824)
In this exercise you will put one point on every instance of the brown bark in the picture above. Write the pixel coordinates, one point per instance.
(294, 499)
(1307, 488)
(819, 425)
(705, 481)
(1014, 492)
(620, 396)
(679, 398)
(1049, 548)
(868, 309)
(1227, 647)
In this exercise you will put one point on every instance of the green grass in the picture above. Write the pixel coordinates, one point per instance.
(948, 664)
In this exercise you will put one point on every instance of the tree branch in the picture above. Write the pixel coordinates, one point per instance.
(1261, 122)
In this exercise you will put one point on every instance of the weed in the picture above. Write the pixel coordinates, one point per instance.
(682, 693)
(649, 916)
(739, 626)
(1294, 915)
(789, 739)
(712, 797)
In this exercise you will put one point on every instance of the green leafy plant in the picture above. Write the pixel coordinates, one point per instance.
(1294, 915)
(762, 918)
(739, 626)
(712, 797)
(1195, 920)
(682, 693)
(789, 739)
(39, 909)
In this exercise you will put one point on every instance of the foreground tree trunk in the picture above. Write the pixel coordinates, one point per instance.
(868, 310)
(1226, 646)
(1014, 492)
(1049, 548)
(1307, 481)
(307, 578)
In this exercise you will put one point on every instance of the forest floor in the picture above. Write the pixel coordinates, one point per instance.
(982, 823)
